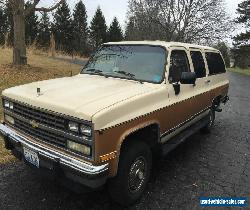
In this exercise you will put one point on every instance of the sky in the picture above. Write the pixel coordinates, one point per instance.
(118, 8)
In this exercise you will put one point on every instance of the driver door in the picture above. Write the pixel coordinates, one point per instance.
(182, 107)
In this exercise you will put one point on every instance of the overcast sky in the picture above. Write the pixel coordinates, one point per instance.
(118, 8)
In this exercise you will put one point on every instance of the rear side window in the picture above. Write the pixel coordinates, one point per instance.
(199, 65)
(215, 63)
(178, 64)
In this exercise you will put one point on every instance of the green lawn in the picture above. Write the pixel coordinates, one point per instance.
(40, 67)
(241, 71)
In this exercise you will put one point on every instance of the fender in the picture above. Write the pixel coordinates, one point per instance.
(124, 136)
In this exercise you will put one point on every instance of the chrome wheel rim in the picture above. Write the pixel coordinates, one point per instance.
(137, 174)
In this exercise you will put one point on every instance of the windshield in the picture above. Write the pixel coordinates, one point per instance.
(136, 62)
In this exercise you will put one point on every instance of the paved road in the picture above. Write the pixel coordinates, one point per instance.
(217, 164)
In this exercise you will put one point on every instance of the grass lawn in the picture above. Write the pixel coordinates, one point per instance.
(40, 67)
(241, 71)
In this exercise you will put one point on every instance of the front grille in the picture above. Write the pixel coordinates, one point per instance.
(44, 126)
(40, 134)
(41, 117)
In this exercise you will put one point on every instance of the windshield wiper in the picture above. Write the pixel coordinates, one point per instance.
(94, 70)
(132, 76)
(97, 71)
(125, 73)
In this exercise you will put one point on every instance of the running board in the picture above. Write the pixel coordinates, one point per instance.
(181, 137)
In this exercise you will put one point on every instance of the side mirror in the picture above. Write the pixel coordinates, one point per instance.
(188, 78)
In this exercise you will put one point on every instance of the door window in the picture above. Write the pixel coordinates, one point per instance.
(178, 64)
(215, 63)
(198, 63)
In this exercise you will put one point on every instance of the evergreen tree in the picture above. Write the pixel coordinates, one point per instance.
(115, 31)
(242, 41)
(9, 26)
(80, 29)
(44, 31)
(3, 20)
(131, 30)
(98, 28)
(31, 26)
(62, 28)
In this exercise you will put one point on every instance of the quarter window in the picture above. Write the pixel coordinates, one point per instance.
(215, 63)
(178, 64)
(199, 65)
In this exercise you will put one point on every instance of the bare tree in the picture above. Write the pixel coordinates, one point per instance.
(19, 13)
(200, 21)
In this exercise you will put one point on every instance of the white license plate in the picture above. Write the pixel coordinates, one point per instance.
(31, 157)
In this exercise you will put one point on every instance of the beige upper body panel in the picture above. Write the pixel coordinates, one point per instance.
(167, 45)
(81, 96)
(110, 101)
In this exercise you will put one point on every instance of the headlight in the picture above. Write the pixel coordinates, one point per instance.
(9, 119)
(85, 130)
(11, 105)
(8, 104)
(86, 150)
(73, 127)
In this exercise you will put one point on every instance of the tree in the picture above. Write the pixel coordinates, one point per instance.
(43, 37)
(31, 26)
(19, 13)
(241, 49)
(115, 31)
(80, 29)
(8, 25)
(130, 29)
(224, 49)
(98, 28)
(3, 21)
(62, 28)
(200, 21)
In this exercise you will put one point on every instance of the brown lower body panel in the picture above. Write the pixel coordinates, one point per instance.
(110, 140)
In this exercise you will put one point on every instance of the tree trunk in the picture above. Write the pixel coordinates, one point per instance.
(52, 46)
(19, 49)
(6, 38)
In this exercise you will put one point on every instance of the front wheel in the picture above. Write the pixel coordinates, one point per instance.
(133, 173)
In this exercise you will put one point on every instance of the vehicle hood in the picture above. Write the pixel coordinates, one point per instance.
(80, 96)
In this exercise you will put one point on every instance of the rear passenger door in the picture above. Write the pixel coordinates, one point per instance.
(216, 73)
(202, 86)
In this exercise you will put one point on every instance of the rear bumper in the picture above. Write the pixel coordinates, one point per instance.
(56, 162)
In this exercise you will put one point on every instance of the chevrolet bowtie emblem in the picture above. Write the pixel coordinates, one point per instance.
(34, 124)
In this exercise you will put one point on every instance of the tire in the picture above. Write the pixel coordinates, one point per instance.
(133, 174)
(208, 127)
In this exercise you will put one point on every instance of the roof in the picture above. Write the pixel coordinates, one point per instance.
(164, 44)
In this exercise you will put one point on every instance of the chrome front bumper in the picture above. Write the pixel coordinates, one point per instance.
(59, 158)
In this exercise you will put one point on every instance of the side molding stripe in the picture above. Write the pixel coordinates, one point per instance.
(183, 123)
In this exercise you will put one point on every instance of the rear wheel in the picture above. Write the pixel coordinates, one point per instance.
(208, 127)
(133, 173)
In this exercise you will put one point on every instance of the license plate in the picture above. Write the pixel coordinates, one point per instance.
(31, 157)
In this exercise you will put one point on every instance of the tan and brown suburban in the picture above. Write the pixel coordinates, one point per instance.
(132, 102)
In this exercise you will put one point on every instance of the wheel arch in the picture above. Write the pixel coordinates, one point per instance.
(150, 130)
(216, 100)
